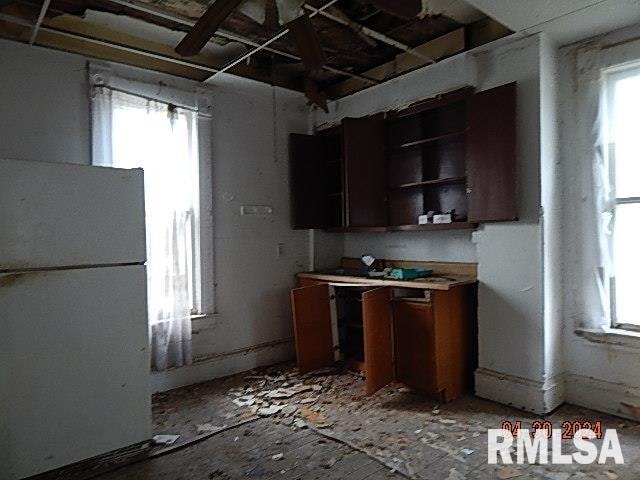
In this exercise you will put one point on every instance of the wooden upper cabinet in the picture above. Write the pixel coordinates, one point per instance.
(312, 326)
(378, 338)
(365, 163)
(308, 181)
(492, 178)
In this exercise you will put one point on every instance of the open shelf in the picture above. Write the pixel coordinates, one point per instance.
(427, 183)
(408, 228)
(435, 138)
(435, 227)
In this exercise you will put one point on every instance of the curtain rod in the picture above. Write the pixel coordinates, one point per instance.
(145, 97)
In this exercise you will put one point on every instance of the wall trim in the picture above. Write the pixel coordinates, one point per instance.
(604, 396)
(94, 466)
(223, 364)
(539, 397)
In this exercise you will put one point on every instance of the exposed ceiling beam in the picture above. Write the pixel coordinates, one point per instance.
(370, 33)
(229, 36)
(405, 9)
(206, 27)
(247, 55)
(110, 44)
(308, 44)
(36, 27)
(438, 48)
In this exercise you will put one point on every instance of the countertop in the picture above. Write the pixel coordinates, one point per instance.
(430, 283)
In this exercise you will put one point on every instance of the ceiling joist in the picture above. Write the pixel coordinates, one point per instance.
(341, 47)
(206, 26)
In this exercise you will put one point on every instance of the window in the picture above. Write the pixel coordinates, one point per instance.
(622, 118)
(162, 139)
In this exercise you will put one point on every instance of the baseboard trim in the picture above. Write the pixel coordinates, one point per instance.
(519, 392)
(604, 396)
(97, 465)
(223, 364)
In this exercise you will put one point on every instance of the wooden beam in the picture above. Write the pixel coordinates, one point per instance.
(439, 48)
(308, 44)
(404, 9)
(206, 27)
(128, 49)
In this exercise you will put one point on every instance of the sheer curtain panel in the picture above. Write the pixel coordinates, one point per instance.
(132, 132)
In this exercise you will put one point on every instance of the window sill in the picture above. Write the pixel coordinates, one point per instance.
(203, 321)
(611, 336)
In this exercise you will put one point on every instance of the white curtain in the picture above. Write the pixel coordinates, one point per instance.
(133, 132)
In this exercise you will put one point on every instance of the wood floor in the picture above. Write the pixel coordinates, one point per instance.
(327, 428)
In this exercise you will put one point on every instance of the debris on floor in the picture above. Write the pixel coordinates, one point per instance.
(208, 428)
(165, 440)
(397, 429)
(508, 472)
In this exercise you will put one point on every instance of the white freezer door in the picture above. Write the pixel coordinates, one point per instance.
(74, 366)
(54, 215)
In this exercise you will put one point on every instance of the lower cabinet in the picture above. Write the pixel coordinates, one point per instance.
(430, 346)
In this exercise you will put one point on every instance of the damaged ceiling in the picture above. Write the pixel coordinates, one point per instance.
(333, 48)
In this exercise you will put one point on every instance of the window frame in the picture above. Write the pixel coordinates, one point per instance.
(611, 76)
(191, 95)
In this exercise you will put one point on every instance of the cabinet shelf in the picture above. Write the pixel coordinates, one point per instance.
(427, 183)
(427, 140)
(408, 228)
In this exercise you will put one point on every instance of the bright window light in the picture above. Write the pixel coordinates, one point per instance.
(623, 105)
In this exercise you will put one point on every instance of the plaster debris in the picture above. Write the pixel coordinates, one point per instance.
(308, 400)
(508, 472)
(165, 439)
(331, 462)
(208, 428)
(278, 456)
(314, 417)
(269, 411)
(245, 401)
(445, 442)
(447, 421)
(455, 475)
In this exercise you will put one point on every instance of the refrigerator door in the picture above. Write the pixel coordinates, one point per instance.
(57, 215)
(74, 366)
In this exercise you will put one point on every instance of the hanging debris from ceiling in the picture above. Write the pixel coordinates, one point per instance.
(288, 10)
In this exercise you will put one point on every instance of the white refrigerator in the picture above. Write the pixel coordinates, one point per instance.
(74, 360)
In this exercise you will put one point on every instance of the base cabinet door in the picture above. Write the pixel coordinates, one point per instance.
(312, 326)
(415, 346)
(377, 318)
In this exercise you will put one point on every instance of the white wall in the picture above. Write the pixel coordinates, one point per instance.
(552, 219)
(45, 105)
(511, 322)
(602, 368)
(45, 116)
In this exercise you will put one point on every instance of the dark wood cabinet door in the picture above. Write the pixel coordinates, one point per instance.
(378, 347)
(308, 181)
(492, 178)
(363, 149)
(414, 336)
(312, 327)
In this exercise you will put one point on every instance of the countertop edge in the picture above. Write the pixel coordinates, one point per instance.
(461, 281)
